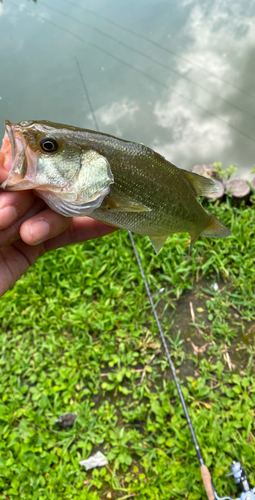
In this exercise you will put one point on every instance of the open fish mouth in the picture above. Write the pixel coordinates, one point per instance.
(72, 185)
(16, 151)
(6, 150)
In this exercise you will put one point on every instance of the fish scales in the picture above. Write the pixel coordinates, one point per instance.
(135, 168)
(126, 184)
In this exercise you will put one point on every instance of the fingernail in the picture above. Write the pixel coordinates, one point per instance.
(7, 216)
(39, 230)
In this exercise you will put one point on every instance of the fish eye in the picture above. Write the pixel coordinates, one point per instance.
(49, 145)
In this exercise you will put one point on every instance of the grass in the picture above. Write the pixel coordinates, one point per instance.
(77, 334)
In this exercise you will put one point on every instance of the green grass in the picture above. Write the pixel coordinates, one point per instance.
(77, 334)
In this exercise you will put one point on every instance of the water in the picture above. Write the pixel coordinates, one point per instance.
(176, 76)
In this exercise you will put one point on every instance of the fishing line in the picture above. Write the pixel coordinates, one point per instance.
(206, 477)
(154, 61)
(87, 94)
(167, 87)
(142, 37)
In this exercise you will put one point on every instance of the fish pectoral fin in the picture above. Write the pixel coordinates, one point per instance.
(124, 205)
(157, 242)
(201, 185)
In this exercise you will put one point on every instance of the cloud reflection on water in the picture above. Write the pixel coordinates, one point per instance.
(135, 61)
(114, 113)
(220, 35)
(191, 137)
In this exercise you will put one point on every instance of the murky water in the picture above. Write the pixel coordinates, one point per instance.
(176, 76)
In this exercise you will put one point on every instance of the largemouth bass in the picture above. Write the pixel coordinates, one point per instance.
(125, 184)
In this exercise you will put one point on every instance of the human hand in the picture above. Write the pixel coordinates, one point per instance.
(29, 229)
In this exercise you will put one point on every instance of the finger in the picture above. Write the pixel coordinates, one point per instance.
(4, 167)
(81, 229)
(43, 226)
(12, 233)
(15, 261)
(13, 206)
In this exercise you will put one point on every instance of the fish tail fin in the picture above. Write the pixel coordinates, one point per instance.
(215, 228)
(201, 185)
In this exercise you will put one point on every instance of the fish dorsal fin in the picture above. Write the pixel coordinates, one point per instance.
(157, 242)
(201, 185)
(124, 205)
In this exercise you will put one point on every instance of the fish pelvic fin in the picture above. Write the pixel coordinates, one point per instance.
(201, 185)
(157, 242)
(215, 228)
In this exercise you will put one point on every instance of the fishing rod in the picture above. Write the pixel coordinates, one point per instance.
(237, 470)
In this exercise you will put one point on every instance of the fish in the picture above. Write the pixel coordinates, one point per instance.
(122, 183)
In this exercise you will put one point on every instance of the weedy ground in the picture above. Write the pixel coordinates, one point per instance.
(77, 334)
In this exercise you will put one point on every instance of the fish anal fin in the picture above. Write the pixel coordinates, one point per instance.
(215, 228)
(201, 185)
(157, 242)
(124, 205)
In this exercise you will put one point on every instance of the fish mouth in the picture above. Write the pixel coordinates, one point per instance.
(14, 147)
(8, 131)
(6, 150)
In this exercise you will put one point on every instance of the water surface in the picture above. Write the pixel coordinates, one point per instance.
(176, 76)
